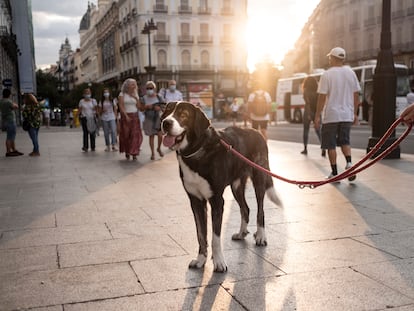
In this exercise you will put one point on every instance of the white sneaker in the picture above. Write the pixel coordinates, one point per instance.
(347, 166)
(107, 148)
(332, 175)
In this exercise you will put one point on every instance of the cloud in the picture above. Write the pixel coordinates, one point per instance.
(53, 22)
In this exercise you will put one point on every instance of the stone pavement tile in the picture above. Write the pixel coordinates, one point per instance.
(28, 259)
(397, 274)
(53, 287)
(173, 273)
(26, 216)
(118, 250)
(321, 255)
(393, 221)
(53, 236)
(399, 244)
(306, 231)
(212, 297)
(52, 308)
(335, 289)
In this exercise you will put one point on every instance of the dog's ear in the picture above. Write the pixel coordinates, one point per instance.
(201, 122)
(169, 108)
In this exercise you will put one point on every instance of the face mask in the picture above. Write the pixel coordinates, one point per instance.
(172, 88)
(87, 95)
(150, 92)
(106, 94)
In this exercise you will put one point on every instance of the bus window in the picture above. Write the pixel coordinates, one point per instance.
(297, 87)
(369, 74)
(358, 73)
(403, 82)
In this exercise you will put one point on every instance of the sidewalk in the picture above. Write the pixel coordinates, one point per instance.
(92, 231)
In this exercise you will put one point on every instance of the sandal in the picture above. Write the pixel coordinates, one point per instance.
(134, 158)
(160, 152)
(127, 156)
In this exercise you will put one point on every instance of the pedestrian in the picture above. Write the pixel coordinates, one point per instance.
(171, 94)
(46, 116)
(8, 122)
(130, 134)
(234, 111)
(87, 113)
(310, 96)
(338, 102)
(153, 104)
(108, 112)
(259, 106)
(32, 113)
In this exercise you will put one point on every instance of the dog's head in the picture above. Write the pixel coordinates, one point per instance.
(182, 123)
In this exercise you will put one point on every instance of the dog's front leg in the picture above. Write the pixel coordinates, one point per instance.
(217, 204)
(199, 208)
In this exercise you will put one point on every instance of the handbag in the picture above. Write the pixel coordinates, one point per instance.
(26, 125)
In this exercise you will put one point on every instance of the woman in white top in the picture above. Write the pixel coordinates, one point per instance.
(130, 135)
(87, 110)
(107, 109)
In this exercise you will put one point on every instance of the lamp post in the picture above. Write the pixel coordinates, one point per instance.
(149, 26)
(385, 84)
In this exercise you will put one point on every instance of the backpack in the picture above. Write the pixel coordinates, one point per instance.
(260, 107)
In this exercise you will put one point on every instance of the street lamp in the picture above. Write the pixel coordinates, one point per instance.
(385, 84)
(149, 26)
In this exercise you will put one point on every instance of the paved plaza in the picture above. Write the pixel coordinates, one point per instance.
(93, 231)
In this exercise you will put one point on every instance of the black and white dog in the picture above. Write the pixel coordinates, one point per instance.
(207, 167)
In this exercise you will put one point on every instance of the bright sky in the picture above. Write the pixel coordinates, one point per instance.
(273, 27)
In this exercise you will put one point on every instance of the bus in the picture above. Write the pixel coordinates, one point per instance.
(289, 95)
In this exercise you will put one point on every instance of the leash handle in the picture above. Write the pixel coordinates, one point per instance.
(356, 168)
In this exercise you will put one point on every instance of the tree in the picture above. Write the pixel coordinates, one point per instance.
(47, 87)
(266, 75)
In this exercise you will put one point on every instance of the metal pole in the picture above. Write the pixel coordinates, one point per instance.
(385, 84)
(149, 48)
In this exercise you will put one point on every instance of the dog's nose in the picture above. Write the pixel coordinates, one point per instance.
(166, 125)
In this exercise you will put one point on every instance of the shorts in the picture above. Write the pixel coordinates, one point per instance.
(10, 128)
(259, 123)
(335, 134)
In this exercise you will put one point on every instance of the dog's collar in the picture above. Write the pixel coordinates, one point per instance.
(200, 151)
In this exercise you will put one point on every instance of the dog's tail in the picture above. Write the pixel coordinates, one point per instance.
(272, 195)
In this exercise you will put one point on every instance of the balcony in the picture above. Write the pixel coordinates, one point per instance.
(186, 39)
(227, 11)
(161, 38)
(160, 8)
(410, 11)
(370, 22)
(226, 39)
(205, 39)
(354, 26)
(185, 9)
(398, 14)
(204, 11)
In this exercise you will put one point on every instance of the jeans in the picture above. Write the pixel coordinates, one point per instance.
(86, 134)
(34, 133)
(109, 127)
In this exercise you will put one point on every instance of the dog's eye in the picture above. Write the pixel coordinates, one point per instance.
(184, 114)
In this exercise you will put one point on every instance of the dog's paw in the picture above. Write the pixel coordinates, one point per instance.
(239, 236)
(260, 237)
(198, 263)
(220, 265)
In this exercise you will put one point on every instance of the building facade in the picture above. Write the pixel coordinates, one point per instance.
(356, 26)
(195, 42)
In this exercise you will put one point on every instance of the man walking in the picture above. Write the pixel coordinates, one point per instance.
(8, 121)
(338, 101)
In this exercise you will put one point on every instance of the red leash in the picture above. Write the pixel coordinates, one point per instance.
(356, 168)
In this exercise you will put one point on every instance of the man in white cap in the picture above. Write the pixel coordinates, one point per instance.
(338, 102)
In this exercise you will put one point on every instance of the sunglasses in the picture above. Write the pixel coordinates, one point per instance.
(150, 88)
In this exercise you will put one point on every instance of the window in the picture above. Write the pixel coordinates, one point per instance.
(162, 58)
(205, 59)
(161, 28)
(204, 30)
(185, 29)
(186, 58)
(228, 59)
(184, 3)
(203, 4)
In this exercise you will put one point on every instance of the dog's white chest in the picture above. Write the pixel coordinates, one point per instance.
(194, 183)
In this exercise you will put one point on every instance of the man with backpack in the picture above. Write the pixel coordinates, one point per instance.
(259, 106)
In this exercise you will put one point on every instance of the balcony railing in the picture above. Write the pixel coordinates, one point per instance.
(204, 11)
(204, 39)
(186, 39)
(185, 9)
(161, 38)
(226, 39)
(227, 11)
(398, 14)
(160, 8)
(370, 22)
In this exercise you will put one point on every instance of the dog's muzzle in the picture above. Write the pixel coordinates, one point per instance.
(170, 140)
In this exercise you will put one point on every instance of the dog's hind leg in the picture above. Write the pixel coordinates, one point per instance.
(199, 208)
(217, 204)
(238, 188)
(259, 183)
